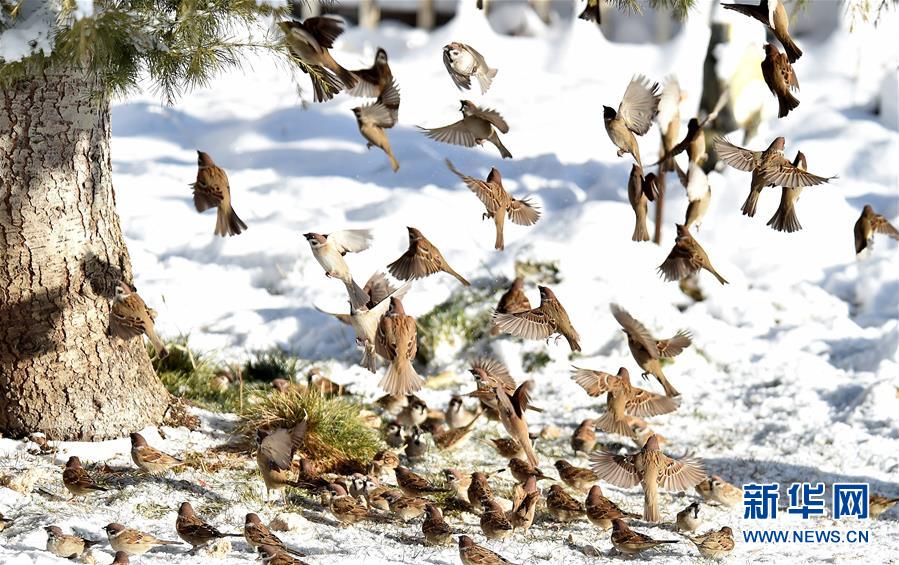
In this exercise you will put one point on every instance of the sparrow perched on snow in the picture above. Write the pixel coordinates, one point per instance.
(463, 62)
(634, 116)
(374, 79)
(650, 468)
(365, 321)
(434, 527)
(457, 482)
(274, 456)
(457, 416)
(601, 511)
(471, 553)
(420, 260)
(129, 316)
(878, 504)
(781, 79)
(309, 42)
(257, 534)
(415, 413)
(688, 519)
(562, 506)
(630, 542)
(640, 191)
(583, 439)
(686, 258)
(77, 480)
(192, 529)
(416, 446)
(375, 495)
(413, 484)
(494, 523)
(149, 459)
(384, 461)
(716, 489)
(524, 507)
(274, 555)
(394, 434)
(785, 218)
(65, 545)
(541, 322)
(378, 116)
(521, 470)
(699, 194)
(479, 490)
(344, 507)
(647, 350)
(773, 14)
(498, 202)
(768, 168)
(867, 225)
(211, 190)
(715, 544)
(406, 507)
(476, 126)
(396, 341)
(578, 478)
(133, 542)
(329, 249)
(512, 301)
(512, 416)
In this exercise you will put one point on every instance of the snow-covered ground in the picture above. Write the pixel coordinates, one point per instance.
(794, 372)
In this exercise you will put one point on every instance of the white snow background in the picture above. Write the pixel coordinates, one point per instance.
(793, 375)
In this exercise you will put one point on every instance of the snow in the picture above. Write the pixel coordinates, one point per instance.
(795, 367)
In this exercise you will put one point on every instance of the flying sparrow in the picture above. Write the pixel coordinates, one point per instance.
(668, 118)
(686, 257)
(396, 342)
(521, 470)
(781, 79)
(77, 480)
(416, 446)
(494, 523)
(476, 126)
(592, 12)
(512, 415)
(650, 468)
(716, 489)
(688, 519)
(149, 459)
(785, 218)
(578, 478)
(257, 534)
(374, 79)
(489, 374)
(634, 116)
(365, 321)
(274, 555)
(192, 529)
(434, 527)
(406, 507)
(630, 542)
(421, 260)
(329, 249)
(309, 41)
(65, 545)
(129, 317)
(471, 553)
(133, 542)
(274, 455)
(878, 504)
(498, 202)
(211, 190)
(463, 62)
(694, 141)
(378, 116)
(699, 194)
(601, 511)
(512, 301)
(541, 322)
(640, 191)
(867, 225)
(413, 484)
(562, 506)
(647, 350)
(715, 544)
(583, 439)
(773, 14)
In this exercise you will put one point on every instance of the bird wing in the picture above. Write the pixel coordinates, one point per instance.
(521, 398)
(496, 370)
(783, 173)
(377, 288)
(523, 212)
(635, 329)
(882, 225)
(530, 324)
(325, 29)
(861, 241)
(350, 241)
(594, 382)
(669, 103)
(455, 134)
(491, 116)
(463, 82)
(678, 265)
(377, 114)
(368, 84)
(414, 264)
(672, 346)
(785, 69)
(390, 98)
(639, 104)
(487, 192)
(680, 475)
(757, 11)
(737, 157)
(643, 403)
(276, 447)
(697, 182)
(616, 469)
(123, 324)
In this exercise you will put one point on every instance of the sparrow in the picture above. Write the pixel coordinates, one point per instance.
(498, 202)
(378, 116)
(541, 322)
(768, 168)
(456, 415)
(583, 439)
(344, 507)
(308, 42)
(508, 448)
(647, 350)
(457, 483)
(773, 14)
(512, 416)
(78, 481)
(630, 542)
(479, 490)
(329, 249)
(650, 468)
(392, 404)
(523, 511)
(785, 218)
(476, 126)
(373, 80)
(592, 12)
(4, 522)
(396, 342)
(688, 519)
(133, 542)
(489, 374)
(715, 544)
(463, 62)
(406, 507)
(274, 456)
(512, 301)
(421, 260)
(473, 554)
(384, 461)
(494, 523)
(434, 527)
(562, 507)
(449, 439)
(521, 470)
(686, 257)
(878, 504)
(634, 116)
(211, 190)
(415, 413)
(65, 545)
(323, 385)
(257, 534)
(668, 117)
(394, 434)
(374, 495)
(416, 447)
(413, 484)
(129, 317)
(149, 459)
(699, 195)
(694, 141)
(867, 225)
(781, 79)
(601, 511)
(120, 558)
(365, 321)
(640, 191)
(192, 529)
(578, 478)
(716, 489)
(309, 477)
(274, 555)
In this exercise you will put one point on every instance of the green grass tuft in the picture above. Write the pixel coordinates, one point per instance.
(272, 364)
(533, 361)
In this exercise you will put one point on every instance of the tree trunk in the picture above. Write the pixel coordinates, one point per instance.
(63, 252)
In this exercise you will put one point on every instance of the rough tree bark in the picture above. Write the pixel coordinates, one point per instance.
(62, 253)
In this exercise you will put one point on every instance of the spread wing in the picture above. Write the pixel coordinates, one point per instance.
(639, 104)
(635, 329)
(463, 82)
(530, 324)
(377, 288)
(324, 29)
(378, 114)
(454, 134)
(493, 117)
(523, 212)
(736, 157)
(350, 241)
(678, 265)
(487, 192)
(785, 174)
(644, 403)
(496, 370)
(417, 262)
(680, 475)
(697, 182)
(616, 469)
(276, 447)
(521, 398)
(594, 382)
(881, 225)
(672, 346)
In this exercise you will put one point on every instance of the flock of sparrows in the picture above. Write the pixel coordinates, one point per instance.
(385, 332)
